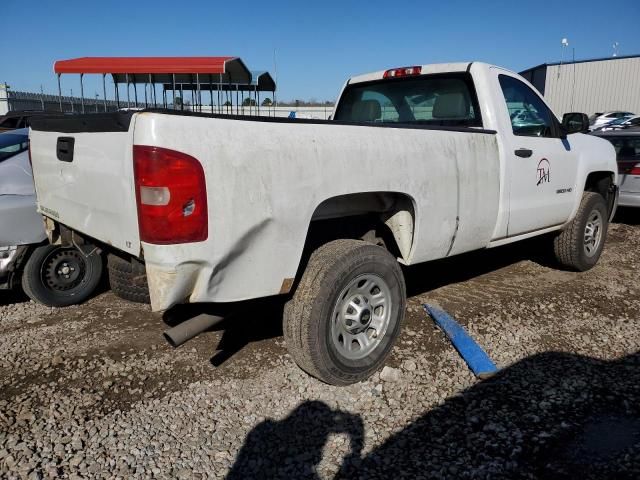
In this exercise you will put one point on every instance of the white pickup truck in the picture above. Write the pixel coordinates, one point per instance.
(418, 163)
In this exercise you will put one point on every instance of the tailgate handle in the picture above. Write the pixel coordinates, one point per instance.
(64, 149)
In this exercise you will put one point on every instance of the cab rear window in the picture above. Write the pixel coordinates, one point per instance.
(444, 100)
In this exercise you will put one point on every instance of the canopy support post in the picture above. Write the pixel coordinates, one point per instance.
(104, 91)
(135, 91)
(173, 78)
(193, 99)
(59, 93)
(199, 96)
(81, 93)
(211, 93)
(126, 77)
(152, 90)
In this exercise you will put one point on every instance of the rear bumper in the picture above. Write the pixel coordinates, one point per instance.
(629, 191)
(629, 199)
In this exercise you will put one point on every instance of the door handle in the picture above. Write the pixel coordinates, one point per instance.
(524, 152)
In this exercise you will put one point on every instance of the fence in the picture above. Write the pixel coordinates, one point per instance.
(15, 100)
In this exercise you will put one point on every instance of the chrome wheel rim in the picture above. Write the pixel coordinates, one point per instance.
(593, 233)
(361, 316)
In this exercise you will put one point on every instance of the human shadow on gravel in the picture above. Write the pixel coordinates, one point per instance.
(549, 416)
(292, 447)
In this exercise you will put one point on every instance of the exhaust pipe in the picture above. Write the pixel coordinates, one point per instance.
(188, 329)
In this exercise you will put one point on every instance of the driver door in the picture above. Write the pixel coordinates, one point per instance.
(541, 167)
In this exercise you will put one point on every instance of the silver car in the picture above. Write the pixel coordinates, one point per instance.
(627, 145)
(52, 275)
(621, 124)
(600, 119)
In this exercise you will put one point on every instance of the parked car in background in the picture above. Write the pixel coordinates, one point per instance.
(599, 119)
(19, 119)
(627, 145)
(52, 275)
(620, 124)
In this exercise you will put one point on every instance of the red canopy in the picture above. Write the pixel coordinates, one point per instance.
(159, 69)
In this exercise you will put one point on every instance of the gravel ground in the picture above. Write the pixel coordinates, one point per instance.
(94, 390)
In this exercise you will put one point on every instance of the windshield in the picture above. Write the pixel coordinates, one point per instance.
(12, 143)
(445, 100)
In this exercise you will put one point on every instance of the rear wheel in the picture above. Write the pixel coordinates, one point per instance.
(580, 244)
(60, 276)
(346, 313)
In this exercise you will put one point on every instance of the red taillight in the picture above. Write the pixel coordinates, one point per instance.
(402, 72)
(171, 195)
(635, 170)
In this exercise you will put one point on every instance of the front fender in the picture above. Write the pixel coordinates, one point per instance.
(596, 155)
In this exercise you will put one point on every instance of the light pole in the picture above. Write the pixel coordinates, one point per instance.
(565, 43)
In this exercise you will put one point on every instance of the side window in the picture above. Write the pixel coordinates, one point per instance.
(529, 115)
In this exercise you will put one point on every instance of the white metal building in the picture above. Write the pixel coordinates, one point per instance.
(589, 86)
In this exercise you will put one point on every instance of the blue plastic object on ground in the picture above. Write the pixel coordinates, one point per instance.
(472, 353)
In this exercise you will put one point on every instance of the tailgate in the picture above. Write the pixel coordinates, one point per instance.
(83, 173)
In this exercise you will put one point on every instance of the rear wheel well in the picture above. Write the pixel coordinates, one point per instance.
(383, 218)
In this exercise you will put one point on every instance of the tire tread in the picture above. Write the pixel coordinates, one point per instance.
(567, 246)
(128, 279)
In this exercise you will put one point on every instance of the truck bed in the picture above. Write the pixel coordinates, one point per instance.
(265, 178)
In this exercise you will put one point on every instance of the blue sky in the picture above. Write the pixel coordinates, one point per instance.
(318, 43)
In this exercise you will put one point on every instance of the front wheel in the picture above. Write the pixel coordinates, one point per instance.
(58, 276)
(346, 313)
(580, 244)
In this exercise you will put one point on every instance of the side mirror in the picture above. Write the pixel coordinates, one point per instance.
(575, 122)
